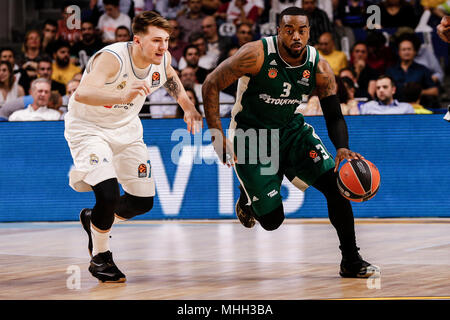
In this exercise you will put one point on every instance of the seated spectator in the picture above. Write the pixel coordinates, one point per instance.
(397, 13)
(216, 44)
(385, 103)
(9, 89)
(345, 93)
(192, 57)
(244, 34)
(206, 61)
(191, 20)
(194, 99)
(55, 103)
(38, 110)
(380, 56)
(66, 25)
(189, 80)
(111, 19)
(412, 96)
(351, 13)
(63, 69)
(176, 44)
(88, 45)
(122, 34)
(45, 70)
(239, 11)
(336, 59)
(31, 48)
(364, 74)
(13, 105)
(406, 70)
(7, 54)
(318, 21)
(424, 53)
(49, 31)
(170, 9)
(72, 85)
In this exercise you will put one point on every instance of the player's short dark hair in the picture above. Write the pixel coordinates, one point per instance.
(292, 11)
(143, 20)
(385, 76)
(114, 3)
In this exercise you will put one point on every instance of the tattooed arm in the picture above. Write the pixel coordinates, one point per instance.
(326, 89)
(248, 60)
(175, 88)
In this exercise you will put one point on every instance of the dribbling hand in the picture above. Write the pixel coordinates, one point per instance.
(345, 154)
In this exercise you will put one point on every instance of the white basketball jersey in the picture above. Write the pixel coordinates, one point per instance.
(118, 115)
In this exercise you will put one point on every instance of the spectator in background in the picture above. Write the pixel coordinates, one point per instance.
(31, 48)
(216, 44)
(192, 56)
(318, 21)
(189, 80)
(351, 13)
(397, 13)
(7, 54)
(169, 9)
(240, 11)
(72, 85)
(191, 20)
(244, 34)
(111, 19)
(38, 110)
(385, 103)
(412, 96)
(206, 60)
(380, 56)
(194, 99)
(65, 31)
(63, 69)
(9, 89)
(122, 34)
(87, 46)
(365, 76)
(176, 45)
(336, 59)
(45, 70)
(49, 31)
(406, 70)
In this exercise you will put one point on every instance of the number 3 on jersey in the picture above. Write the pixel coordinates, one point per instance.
(286, 90)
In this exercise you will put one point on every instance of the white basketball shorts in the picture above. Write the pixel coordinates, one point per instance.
(100, 154)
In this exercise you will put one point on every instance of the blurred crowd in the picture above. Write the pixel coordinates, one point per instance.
(392, 65)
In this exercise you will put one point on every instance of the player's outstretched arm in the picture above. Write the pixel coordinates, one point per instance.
(247, 60)
(91, 90)
(326, 89)
(175, 88)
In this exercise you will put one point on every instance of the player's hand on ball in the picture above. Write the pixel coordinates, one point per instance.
(137, 88)
(345, 154)
(193, 120)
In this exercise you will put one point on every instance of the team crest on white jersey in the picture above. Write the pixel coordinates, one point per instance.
(122, 85)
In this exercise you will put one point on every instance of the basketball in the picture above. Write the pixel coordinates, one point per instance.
(358, 180)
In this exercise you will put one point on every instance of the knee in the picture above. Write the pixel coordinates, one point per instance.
(272, 220)
(107, 194)
(140, 205)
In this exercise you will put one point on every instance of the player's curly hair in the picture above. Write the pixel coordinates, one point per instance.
(149, 18)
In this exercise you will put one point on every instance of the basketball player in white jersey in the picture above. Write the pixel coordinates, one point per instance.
(105, 134)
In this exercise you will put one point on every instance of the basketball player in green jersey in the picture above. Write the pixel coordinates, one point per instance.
(277, 74)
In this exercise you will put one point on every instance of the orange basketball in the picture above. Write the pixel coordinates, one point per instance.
(358, 180)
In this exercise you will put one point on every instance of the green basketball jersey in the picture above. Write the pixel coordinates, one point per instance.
(269, 99)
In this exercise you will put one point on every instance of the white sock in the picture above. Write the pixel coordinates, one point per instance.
(100, 241)
(118, 219)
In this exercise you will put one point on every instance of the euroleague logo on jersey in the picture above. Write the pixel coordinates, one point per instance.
(272, 73)
(306, 74)
(156, 77)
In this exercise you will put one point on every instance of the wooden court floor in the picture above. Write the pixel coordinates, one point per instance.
(215, 260)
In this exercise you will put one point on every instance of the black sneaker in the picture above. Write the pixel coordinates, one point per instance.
(85, 219)
(356, 267)
(245, 215)
(104, 269)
